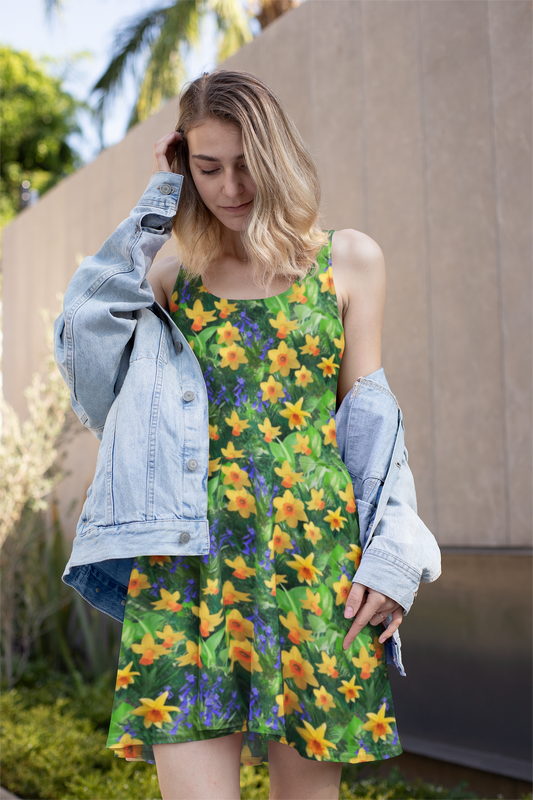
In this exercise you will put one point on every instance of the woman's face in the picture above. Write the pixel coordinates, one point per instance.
(217, 165)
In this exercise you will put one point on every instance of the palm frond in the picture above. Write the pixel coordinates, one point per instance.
(50, 6)
(233, 23)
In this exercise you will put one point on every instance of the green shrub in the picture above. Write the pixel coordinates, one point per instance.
(53, 738)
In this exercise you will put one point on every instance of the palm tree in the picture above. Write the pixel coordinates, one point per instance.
(164, 36)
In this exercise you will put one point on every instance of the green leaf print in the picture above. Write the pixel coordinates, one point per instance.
(209, 648)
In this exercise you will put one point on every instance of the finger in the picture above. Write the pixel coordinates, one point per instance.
(165, 149)
(354, 599)
(382, 613)
(362, 618)
(394, 624)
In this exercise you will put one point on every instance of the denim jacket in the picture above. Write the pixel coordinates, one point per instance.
(136, 384)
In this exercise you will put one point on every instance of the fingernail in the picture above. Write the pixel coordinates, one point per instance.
(348, 612)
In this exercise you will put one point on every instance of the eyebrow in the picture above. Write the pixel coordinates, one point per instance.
(212, 158)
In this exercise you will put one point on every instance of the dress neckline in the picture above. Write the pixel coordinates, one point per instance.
(247, 299)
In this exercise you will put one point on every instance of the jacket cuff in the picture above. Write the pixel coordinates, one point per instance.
(389, 575)
(162, 194)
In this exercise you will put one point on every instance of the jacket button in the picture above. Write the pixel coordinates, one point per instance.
(122, 602)
(178, 347)
(166, 188)
(184, 537)
(97, 589)
(188, 396)
(192, 464)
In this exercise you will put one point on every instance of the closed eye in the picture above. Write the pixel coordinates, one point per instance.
(212, 171)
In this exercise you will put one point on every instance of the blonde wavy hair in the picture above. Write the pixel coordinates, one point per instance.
(281, 235)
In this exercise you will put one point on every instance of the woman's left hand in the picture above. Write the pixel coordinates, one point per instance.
(369, 606)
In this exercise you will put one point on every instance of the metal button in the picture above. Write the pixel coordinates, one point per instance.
(97, 589)
(178, 347)
(184, 537)
(192, 464)
(166, 188)
(122, 602)
(188, 396)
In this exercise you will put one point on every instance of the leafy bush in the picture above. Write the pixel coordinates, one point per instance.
(53, 738)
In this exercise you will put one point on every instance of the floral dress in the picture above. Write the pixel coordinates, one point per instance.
(249, 637)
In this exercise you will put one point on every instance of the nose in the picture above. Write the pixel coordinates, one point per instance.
(233, 185)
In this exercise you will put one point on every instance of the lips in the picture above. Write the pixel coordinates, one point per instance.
(235, 208)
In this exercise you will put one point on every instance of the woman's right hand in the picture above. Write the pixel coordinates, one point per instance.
(164, 151)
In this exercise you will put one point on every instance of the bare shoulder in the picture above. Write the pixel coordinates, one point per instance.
(355, 252)
(162, 277)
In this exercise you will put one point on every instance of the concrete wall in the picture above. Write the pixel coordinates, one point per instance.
(419, 115)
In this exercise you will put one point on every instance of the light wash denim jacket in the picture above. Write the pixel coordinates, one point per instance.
(137, 385)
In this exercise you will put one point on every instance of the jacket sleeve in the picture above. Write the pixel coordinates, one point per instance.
(398, 549)
(93, 335)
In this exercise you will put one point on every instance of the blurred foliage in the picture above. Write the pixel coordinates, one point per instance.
(53, 734)
(36, 118)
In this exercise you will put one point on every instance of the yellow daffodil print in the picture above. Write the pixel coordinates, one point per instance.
(137, 583)
(170, 636)
(340, 344)
(376, 647)
(288, 702)
(228, 334)
(317, 745)
(212, 587)
(348, 497)
(199, 316)
(298, 294)
(350, 690)
(316, 503)
(230, 595)
(296, 667)
(238, 627)
(326, 279)
(213, 466)
(174, 302)
(240, 570)
(310, 347)
(232, 356)
(280, 542)
(192, 656)
(208, 621)
(245, 655)
(270, 431)
(235, 476)
(328, 366)
(236, 424)
(159, 560)
(324, 699)
(242, 501)
(273, 582)
(378, 724)
(283, 359)
(302, 445)
(312, 602)
(272, 390)
(283, 325)
(330, 433)
(342, 588)
(289, 509)
(295, 414)
(125, 677)
(225, 308)
(149, 650)
(213, 432)
(354, 554)
(169, 600)
(305, 569)
(312, 533)
(335, 519)
(247, 759)
(365, 662)
(230, 452)
(303, 376)
(128, 747)
(328, 665)
(297, 634)
(361, 757)
(155, 712)
(289, 477)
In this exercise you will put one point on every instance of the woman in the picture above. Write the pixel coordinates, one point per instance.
(259, 647)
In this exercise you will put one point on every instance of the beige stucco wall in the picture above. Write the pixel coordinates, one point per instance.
(419, 114)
